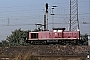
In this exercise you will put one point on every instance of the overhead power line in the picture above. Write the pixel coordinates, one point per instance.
(48, 23)
(22, 6)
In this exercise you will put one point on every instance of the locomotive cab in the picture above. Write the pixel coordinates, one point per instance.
(58, 32)
(34, 35)
(62, 29)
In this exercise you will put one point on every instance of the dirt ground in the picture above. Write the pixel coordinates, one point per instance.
(44, 52)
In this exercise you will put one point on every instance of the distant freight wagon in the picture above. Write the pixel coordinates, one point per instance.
(56, 36)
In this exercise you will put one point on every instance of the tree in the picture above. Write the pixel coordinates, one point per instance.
(84, 39)
(1, 44)
(5, 43)
(17, 38)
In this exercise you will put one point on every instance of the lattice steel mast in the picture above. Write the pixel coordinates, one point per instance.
(74, 22)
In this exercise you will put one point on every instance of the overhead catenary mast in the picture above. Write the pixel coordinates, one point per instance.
(74, 22)
(70, 18)
(46, 18)
(89, 18)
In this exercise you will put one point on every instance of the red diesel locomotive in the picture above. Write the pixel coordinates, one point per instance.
(56, 36)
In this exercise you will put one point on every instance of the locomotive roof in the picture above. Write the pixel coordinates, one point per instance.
(58, 28)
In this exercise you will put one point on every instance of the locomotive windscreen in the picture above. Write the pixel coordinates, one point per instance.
(34, 35)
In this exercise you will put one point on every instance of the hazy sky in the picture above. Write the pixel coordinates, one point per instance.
(15, 14)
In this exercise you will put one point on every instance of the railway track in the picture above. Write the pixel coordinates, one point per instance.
(44, 51)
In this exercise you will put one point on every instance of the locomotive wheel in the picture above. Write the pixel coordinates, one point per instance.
(38, 42)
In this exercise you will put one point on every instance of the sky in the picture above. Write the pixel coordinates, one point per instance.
(15, 14)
